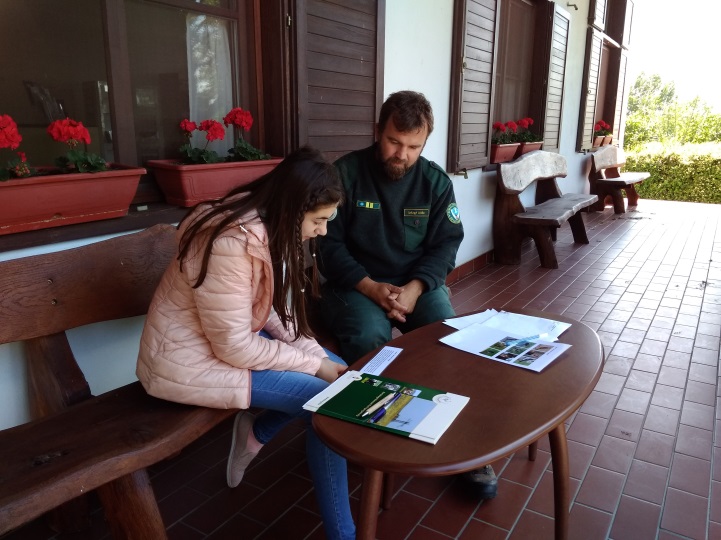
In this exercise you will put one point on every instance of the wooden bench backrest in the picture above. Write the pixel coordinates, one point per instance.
(112, 279)
(516, 176)
(607, 157)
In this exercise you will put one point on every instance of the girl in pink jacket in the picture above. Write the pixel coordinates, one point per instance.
(228, 328)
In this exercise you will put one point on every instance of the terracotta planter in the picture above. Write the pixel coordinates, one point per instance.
(526, 147)
(597, 141)
(187, 185)
(608, 139)
(500, 153)
(40, 202)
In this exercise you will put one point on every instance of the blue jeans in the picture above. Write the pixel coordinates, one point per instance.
(282, 394)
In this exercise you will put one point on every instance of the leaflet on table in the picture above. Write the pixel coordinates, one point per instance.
(524, 325)
(381, 360)
(507, 347)
(405, 409)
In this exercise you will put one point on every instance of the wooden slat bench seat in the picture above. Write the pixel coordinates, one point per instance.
(512, 221)
(607, 181)
(78, 442)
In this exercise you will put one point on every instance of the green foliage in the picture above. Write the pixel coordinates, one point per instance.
(81, 161)
(192, 155)
(682, 173)
(244, 151)
(656, 114)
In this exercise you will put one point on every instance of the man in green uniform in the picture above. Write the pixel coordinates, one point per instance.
(388, 253)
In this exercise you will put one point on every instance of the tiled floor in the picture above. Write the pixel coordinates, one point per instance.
(644, 459)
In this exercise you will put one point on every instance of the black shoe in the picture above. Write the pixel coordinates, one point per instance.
(483, 482)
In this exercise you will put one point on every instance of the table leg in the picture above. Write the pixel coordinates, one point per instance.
(369, 503)
(561, 495)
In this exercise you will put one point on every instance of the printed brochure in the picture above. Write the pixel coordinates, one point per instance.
(408, 410)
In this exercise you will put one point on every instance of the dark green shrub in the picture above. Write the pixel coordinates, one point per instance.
(684, 173)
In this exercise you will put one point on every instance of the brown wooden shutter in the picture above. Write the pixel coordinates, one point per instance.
(597, 14)
(474, 41)
(555, 78)
(340, 78)
(594, 45)
(621, 97)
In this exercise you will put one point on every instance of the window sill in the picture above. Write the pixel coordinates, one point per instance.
(135, 220)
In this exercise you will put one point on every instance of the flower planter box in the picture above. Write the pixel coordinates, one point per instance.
(500, 153)
(608, 139)
(597, 141)
(526, 147)
(187, 185)
(40, 202)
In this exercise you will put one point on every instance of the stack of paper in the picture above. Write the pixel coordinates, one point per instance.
(514, 339)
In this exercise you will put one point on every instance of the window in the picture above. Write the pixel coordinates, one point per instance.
(526, 78)
(310, 71)
(605, 88)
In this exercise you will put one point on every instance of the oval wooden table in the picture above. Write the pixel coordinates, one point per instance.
(509, 409)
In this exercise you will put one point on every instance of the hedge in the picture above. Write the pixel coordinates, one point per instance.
(689, 173)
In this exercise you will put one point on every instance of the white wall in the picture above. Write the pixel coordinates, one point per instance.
(418, 57)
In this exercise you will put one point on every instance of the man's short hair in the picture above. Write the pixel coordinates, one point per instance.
(409, 110)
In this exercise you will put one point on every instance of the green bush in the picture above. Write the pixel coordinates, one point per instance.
(690, 172)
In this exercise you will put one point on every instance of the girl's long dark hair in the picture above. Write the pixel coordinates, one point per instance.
(303, 182)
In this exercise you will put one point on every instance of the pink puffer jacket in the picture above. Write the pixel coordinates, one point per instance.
(199, 345)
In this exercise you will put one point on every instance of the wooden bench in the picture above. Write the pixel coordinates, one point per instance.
(79, 442)
(512, 221)
(607, 181)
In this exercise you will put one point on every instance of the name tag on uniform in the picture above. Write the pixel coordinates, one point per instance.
(416, 212)
(370, 205)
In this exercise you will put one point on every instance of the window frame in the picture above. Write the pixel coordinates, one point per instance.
(469, 142)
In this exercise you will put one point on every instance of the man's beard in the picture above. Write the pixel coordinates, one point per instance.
(395, 169)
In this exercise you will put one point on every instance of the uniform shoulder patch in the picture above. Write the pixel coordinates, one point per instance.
(454, 215)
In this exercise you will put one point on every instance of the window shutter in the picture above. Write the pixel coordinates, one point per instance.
(339, 75)
(621, 97)
(555, 78)
(597, 14)
(474, 40)
(594, 45)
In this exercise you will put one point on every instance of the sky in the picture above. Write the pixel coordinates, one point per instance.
(680, 42)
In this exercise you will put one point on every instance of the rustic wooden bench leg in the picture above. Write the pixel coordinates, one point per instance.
(578, 228)
(632, 195)
(544, 245)
(619, 206)
(131, 509)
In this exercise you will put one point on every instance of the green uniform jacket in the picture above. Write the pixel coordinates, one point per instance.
(391, 231)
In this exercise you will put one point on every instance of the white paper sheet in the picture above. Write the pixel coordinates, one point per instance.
(380, 361)
(508, 347)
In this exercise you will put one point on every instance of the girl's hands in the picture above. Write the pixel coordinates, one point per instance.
(329, 371)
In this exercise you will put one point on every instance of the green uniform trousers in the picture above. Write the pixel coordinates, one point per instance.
(361, 325)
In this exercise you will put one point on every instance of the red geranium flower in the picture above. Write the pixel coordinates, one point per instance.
(9, 135)
(512, 126)
(214, 130)
(500, 126)
(188, 126)
(69, 131)
(239, 118)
